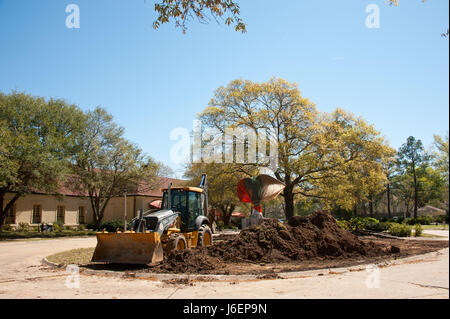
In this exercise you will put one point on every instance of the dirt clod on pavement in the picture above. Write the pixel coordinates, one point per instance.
(302, 238)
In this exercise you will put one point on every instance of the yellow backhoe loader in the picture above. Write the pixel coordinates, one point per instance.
(182, 223)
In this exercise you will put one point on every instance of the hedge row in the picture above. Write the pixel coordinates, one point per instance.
(372, 224)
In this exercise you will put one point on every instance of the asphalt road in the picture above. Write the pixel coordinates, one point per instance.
(23, 276)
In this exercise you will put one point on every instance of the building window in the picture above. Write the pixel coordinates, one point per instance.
(11, 215)
(81, 215)
(60, 214)
(37, 214)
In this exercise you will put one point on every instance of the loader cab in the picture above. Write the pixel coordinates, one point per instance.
(188, 201)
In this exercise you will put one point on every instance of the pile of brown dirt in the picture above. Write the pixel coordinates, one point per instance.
(302, 238)
(189, 260)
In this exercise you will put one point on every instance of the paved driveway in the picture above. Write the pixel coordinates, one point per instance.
(23, 276)
(443, 234)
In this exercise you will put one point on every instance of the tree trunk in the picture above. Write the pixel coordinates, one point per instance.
(388, 192)
(97, 220)
(415, 193)
(4, 211)
(371, 208)
(226, 219)
(97, 213)
(405, 212)
(227, 211)
(212, 214)
(289, 202)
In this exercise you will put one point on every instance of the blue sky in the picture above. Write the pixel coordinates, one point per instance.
(153, 81)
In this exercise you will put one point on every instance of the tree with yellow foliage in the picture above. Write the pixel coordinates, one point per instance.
(316, 151)
(222, 183)
(361, 178)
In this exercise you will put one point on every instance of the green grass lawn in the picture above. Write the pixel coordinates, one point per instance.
(10, 235)
(81, 256)
(436, 227)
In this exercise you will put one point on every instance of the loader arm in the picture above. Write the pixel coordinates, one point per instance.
(204, 186)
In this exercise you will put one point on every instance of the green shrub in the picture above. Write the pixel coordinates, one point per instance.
(423, 220)
(110, 226)
(363, 223)
(344, 224)
(440, 219)
(371, 224)
(23, 227)
(25, 235)
(396, 219)
(399, 230)
(81, 227)
(357, 223)
(380, 227)
(6, 227)
(58, 226)
(113, 226)
(417, 230)
(220, 225)
(91, 226)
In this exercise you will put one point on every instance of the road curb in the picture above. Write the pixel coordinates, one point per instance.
(45, 261)
(251, 277)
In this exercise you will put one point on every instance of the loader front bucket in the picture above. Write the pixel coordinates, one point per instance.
(128, 248)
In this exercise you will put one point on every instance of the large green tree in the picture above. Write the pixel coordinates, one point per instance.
(106, 163)
(411, 158)
(389, 170)
(429, 187)
(37, 137)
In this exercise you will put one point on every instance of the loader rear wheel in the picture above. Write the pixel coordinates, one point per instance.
(204, 236)
(176, 242)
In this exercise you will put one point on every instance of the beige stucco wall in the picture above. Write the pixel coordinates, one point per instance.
(116, 207)
(49, 204)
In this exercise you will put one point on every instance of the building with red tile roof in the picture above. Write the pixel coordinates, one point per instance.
(71, 207)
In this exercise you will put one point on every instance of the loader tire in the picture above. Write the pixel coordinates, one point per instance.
(176, 242)
(204, 236)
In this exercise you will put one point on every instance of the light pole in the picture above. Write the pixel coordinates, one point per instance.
(125, 210)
